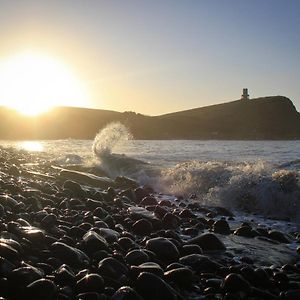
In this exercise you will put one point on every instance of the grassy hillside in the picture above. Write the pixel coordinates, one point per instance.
(261, 118)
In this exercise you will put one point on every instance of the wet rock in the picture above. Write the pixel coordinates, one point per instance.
(245, 231)
(91, 296)
(235, 283)
(25, 275)
(111, 267)
(87, 179)
(90, 283)
(180, 276)
(200, 263)
(142, 227)
(65, 276)
(110, 235)
(42, 289)
(191, 249)
(6, 267)
(164, 249)
(150, 286)
(8, 252)
(186, 213)
(69, 255)
(136, 257)
(75, 188)
(292, 294)
(278, 236)
(222, 227)
(148, 200)
(125, 182)
(6, 200)
(149, 267)
(92, 242)
(208, 242)
(126, 293)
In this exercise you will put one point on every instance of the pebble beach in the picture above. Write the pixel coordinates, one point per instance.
(74, 233)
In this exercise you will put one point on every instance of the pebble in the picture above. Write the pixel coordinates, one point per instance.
(164, 249)
(208, 242)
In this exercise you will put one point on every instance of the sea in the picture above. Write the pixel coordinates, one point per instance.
(258, 180)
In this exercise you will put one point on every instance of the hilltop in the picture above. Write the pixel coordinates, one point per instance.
(261, 118)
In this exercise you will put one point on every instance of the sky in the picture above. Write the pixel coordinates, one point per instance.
(155, 57)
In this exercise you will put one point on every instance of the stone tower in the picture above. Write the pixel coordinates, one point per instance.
(245, 95)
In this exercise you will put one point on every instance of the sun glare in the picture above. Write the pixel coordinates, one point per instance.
(32, 83)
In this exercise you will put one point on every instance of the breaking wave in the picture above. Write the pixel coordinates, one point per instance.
(253, 187)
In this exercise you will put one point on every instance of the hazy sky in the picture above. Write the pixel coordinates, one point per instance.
(160, 56)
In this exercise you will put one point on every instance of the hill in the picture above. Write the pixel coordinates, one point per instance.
(262, 118)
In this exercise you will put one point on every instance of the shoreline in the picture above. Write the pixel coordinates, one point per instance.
(73, 235)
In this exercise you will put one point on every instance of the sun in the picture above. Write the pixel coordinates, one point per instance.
(32, 83)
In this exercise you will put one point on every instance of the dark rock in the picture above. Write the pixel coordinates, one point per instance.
(180, 276)
(25, 275)
(92, 242)
(69, 255)
(42, 289)
(170, 221)
(222, 227)
(90, 283)
(292, 294)
(111, 267)
(6, 200)
(186, 213)
(142, 227)
(164, 249)
(64, 276)
(208, 242)
(6, 267)
(136, 257)
(149, 267)
(191, 249)
(126, 293)
(75, 188)
(235, 283)
(148, 200)
(8, 252)
(278, 236)
(245, 231)
(200, 263)
(150, 286)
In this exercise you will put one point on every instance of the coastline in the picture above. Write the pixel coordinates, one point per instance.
(70, 233)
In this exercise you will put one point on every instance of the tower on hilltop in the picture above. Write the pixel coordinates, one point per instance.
(245, 95)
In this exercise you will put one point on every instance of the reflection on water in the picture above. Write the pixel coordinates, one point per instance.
(31, 146)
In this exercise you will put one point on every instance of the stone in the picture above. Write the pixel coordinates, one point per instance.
(150, 287)
(69, 255)
(92, 242)
(126, 293)
(164, 249)
(42, 289)
(90, 283)
(142, 227)
(208, 242)
(136, 257)
(222, 227)
(235, 283)
(200, 263)
(65, 276)
(278, 236)
(180, 276)
(111, 267)
(149, 267)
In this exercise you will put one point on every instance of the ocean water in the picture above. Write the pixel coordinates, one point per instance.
(252, 177)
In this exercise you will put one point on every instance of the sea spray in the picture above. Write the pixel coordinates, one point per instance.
(114, 164)
(255, 187)
(109, 137)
